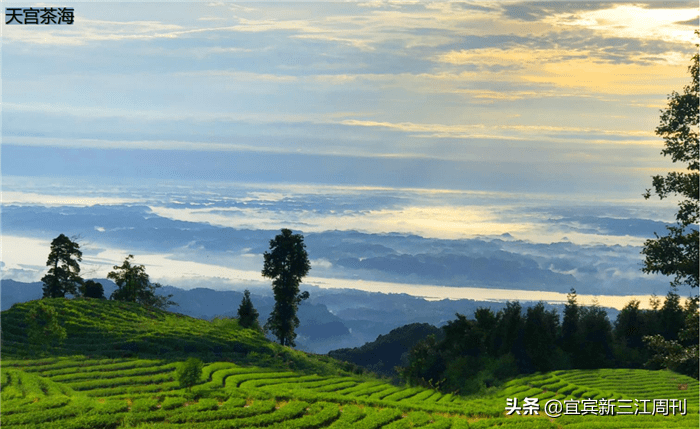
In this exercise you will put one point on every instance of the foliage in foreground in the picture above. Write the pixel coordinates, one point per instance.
(112, 393)
(268, 385)
(676, 254)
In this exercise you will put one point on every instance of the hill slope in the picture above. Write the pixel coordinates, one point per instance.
(93, 381)
(120, 329)
(387, 351)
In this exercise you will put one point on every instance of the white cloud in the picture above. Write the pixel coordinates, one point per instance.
(30, 198)
(633, 21)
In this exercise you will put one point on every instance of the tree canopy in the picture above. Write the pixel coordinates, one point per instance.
(92, 289)
(676, 254)
(247, 314)
(64, 275)
(44, 328)
(189, 373)
(286, 264)
(133, 285)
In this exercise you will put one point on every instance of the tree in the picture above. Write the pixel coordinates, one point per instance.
(247, 314)
(510, 331)
(628, 325)
(569, 327)
(189, 373)
(596, 338)
(64, 275)
(92, 289)
(676, 254)
(671, 317)
(133, 285)
(425, 364)
(44, 330)
(540, 336)
(286, 264)
(681, 356)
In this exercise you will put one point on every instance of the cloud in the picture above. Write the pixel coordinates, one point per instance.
(239, 76)
(573, 69)
(632, 21)
(23, 198)
(479, 130)
(93, 30)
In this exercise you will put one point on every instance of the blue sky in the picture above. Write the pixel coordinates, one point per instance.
(446, 120)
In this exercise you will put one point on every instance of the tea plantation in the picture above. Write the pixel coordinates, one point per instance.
(116, 368)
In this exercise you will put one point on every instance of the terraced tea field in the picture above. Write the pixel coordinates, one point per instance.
(249, 382)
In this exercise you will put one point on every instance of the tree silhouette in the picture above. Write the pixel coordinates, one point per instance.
(676, 254)
(286, 264)
(133, 285)
(247, 314)
(570, 324)
(64, 275)
(92, 289)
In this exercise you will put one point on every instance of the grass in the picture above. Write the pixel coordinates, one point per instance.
(116, 369)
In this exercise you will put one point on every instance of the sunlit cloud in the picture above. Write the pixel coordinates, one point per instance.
(575, 69)
(632, 21)
(610, 78)
(437, 222)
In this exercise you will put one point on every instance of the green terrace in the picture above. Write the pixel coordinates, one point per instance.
(117, 368)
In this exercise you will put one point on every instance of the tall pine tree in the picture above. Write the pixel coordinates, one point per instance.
(64, 275)
(286, 264)
(247, 314)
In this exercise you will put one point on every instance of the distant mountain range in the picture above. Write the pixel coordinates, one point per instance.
(500, 262)
(330, 319)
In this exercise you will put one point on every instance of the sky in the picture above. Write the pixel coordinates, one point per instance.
(442, 119)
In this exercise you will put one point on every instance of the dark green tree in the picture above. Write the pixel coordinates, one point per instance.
(247, 314)
(671, 316)
(133, 285)
(189, 373)
(510, 331)
(569, 325)
(92, 289)
(540, 337)
(681, 355)
(596, 339)
(676, 254)
(461, 338)
(64, 275)
(486, 323)
(425, 364)
(286, 264)
(629, 326)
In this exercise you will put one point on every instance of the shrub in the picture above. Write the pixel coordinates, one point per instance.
(189, 373)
